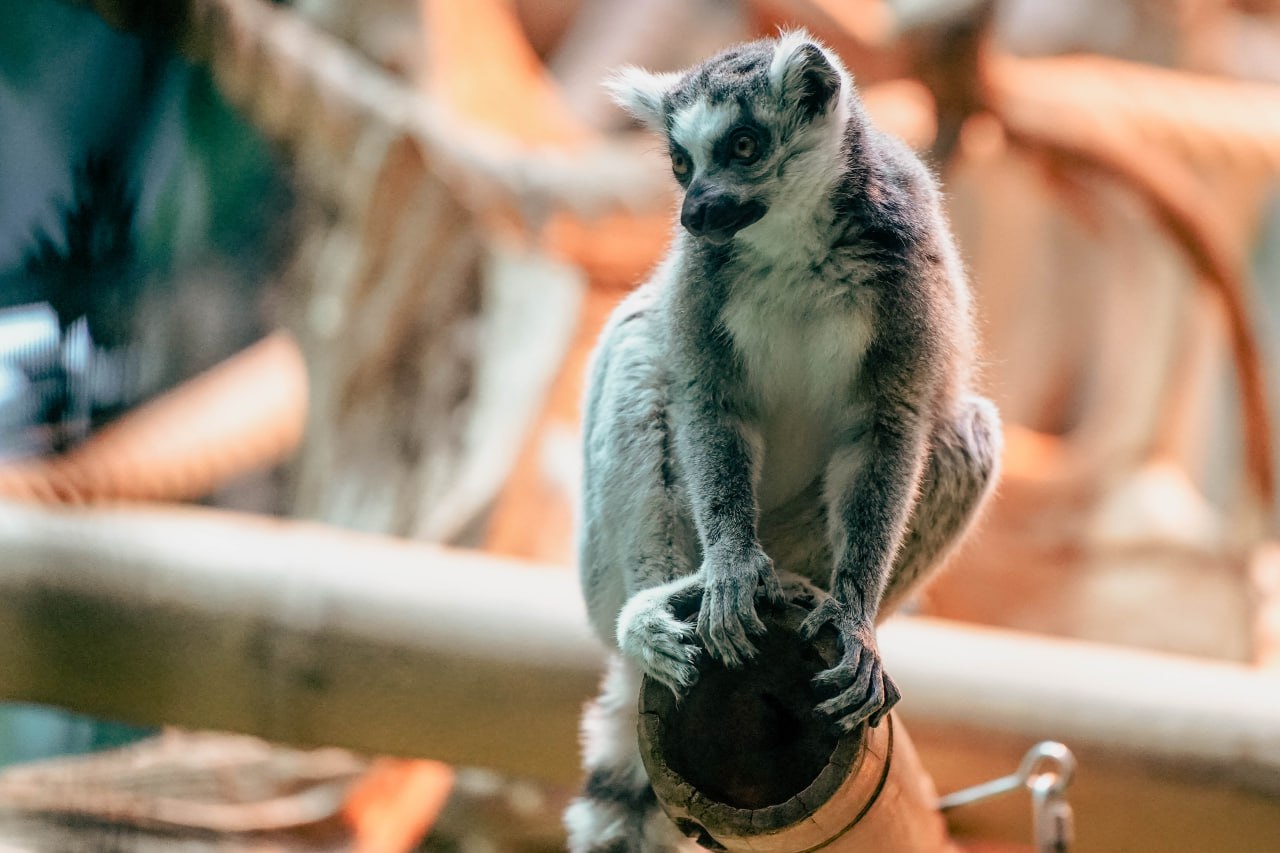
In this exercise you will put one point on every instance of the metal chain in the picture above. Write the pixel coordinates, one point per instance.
(1045, 771)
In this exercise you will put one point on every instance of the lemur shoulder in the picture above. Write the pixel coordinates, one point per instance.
(789, 392)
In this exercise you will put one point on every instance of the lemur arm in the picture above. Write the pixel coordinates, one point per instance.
(873, 479)
(872, 488)
(872, 485)
(719, 455)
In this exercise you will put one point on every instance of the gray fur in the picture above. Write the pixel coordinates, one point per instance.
(790, 389)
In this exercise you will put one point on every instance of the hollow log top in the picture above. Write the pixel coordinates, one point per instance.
(745, 752)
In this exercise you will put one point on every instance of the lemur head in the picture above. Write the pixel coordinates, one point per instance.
(755, 129)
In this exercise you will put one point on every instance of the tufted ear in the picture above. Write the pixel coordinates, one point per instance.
(640, 93)
(805, 73)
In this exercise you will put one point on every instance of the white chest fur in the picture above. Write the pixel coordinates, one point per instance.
(801, 346)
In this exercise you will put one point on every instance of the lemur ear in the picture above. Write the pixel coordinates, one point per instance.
(640, 93)
(803, 70)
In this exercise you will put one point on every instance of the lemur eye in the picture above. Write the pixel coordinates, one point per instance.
(744, 146)
(680, 163)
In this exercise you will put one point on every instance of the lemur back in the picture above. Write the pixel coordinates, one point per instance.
(790, 387)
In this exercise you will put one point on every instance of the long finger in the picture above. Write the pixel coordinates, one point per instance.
(715, 636)
(891, 697)
(747, 607)
(737, 634)
(867, 709)
(823, 614)
(842, 674)
(772, 588)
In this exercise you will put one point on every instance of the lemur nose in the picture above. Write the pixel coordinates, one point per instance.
(707, 209)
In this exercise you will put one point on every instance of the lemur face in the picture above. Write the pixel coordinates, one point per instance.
(748, 130)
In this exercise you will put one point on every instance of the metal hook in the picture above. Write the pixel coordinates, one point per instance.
(1045, 771)
(1046, 759)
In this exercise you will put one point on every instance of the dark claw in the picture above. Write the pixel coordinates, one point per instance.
(891, 697)
(840, 676)
(863, 692)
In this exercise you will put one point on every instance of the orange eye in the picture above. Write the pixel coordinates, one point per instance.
(744, 146)
(680, 163)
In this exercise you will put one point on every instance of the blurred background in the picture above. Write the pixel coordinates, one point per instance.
(295, 302)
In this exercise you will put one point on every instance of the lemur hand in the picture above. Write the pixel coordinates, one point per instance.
(727, 620)
(652, 634)
(863, 691)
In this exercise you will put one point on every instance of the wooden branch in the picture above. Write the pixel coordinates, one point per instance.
(296, 633)
(1160, 708)
(333, 110)
(178, 782)
(310, 635)
(1151, 134)
(479, 62)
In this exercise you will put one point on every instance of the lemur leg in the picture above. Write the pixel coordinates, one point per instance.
(617, 811)
(962, 470)
(637, 555)
(637, 536)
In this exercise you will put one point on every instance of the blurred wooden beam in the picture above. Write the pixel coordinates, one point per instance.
(1155, 131)
(1158, 708)
(294, 632)
(309, 635)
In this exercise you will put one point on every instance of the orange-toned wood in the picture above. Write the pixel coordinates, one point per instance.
(534, 515)
(244, 414)
(1264, 570)
(859, 30)
(396, 803)
(616, 250)
(481, 65)
(869, 21)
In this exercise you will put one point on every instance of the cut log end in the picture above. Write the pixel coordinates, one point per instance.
(744, 761)
(752, 738)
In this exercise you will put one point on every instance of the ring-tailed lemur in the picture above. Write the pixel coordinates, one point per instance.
(791, 387)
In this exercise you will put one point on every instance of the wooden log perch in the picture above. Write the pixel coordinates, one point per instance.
(296, 633)
(746, 762)
(310, 635)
